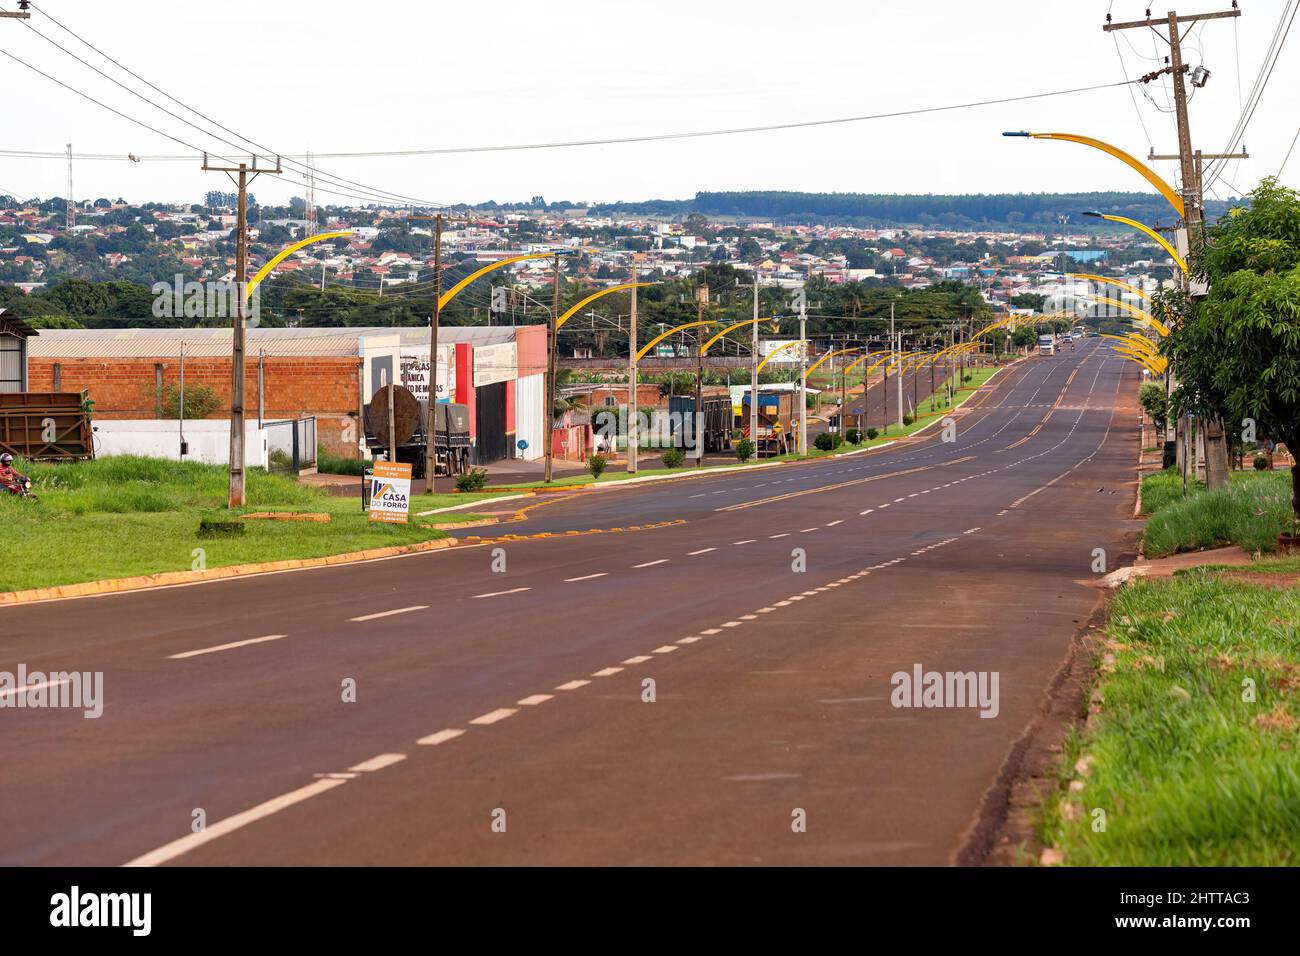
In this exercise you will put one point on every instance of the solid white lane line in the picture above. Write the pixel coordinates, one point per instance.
(214, 831)
(400, 610)
(586, 577)
(491, 717)
(573, 685)
(651, 564)
(441, 737)
(607, 672)
(226, 647)
(500, 593)
(532, 700)
(692, 554)
(377, 763)
(639, 659)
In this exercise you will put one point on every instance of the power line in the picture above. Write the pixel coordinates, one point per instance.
(1288, 152)
(379, 194)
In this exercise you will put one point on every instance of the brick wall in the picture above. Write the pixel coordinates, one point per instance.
(326, 387)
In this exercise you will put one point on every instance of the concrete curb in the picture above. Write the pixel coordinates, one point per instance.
(143, 582)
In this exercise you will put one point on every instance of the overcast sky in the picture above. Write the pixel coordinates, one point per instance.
(333, 76)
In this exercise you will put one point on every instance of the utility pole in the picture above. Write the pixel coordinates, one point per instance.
(803, 372)
(753, 370)
(701, 299)
(235, 497)
(898, 354)
(431, 419)
(550, 368)
(633, 411)
(1216, 446)
(71, 219)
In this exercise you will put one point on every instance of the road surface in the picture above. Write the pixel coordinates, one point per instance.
(501, 716)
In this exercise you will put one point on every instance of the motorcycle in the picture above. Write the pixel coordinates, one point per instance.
(22, 487)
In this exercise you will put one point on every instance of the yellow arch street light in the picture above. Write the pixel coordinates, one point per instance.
(1143, 228)
(1142, 315)
(777, 351)
(1155, 366)
(1088, 277)
(814, 365)
(859, 361)
(1131, 345)
(1134, 339)
(284, 253)
(663, 335)
(731, 328)
(456, 289)
(596, 295)
(1144, 170)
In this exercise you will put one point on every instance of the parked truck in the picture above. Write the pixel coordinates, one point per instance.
(775, 418)
(717, 426)
(409, 417)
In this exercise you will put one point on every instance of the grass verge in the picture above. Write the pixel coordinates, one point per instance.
(126, 515)
(1191, 753)
(1254, 509)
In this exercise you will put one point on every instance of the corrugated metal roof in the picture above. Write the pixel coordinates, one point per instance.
(215, 342)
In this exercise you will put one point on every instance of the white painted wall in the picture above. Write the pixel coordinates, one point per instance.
(209, 440)
(530, 399)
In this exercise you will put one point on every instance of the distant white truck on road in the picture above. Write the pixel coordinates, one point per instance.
(1047, 345)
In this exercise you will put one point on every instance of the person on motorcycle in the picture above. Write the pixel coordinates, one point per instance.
(9, 477)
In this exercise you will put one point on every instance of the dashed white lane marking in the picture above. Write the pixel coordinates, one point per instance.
(794, 597)
(809, 593)
(690, 640)
(732, 624)
(377, 763)
(806, 530)
(782, 604)
(832, 524)
(639, 659)
(226, 647)
(219, 829)
(586, 577)
(28, 688)
(897, 500)
(766, 610)
(746, 541)
(885, 505)
(664, 649)
(400, 610)
(501, 593)
(701, 551)
(711, 631)
(697, 496)
(607, 672)
(867, 512)
(651, 564)
(533, 700)
(971, 531)
(442, 736)
(783, 534)
(493, 716)
(749, 617)
(573, 684)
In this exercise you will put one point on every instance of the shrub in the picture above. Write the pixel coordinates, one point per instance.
(744, 450)
(825, 441)
(907, 420)
(597, 464)
(873, 434)
(331, 464)
(853, 436)
(673, 458)
(200, 401)
(1261, 463)
(472, 480)
(1152, 398)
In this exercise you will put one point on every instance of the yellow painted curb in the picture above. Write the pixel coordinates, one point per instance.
(164, 578)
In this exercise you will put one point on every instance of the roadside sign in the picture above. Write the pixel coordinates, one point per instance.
(390, 492)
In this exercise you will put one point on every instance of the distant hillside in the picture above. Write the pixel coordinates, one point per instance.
(959, 211)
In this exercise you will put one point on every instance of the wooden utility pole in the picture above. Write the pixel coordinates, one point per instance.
(701, 299)
(549, 415)
(633, 409)
(1189, 161)
(235, 497)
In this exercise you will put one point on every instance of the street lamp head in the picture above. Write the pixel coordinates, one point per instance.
(1094, 214)
(1017, 133)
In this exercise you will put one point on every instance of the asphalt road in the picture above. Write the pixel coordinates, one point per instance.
(500, 716)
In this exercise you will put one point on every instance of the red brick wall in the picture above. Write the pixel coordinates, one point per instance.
(326, 387)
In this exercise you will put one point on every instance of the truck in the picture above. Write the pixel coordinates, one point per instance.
(409, 418)
(1046, 345)
(775, 419)
(719, 421)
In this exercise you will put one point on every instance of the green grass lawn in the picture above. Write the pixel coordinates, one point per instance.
(1254, 509)
(123, 516)
(1188, 769)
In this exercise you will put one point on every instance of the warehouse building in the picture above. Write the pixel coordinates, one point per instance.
(498, 372)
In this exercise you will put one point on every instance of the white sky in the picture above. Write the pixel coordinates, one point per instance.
(341, 76)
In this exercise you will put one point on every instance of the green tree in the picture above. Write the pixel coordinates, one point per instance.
(1237, 350)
